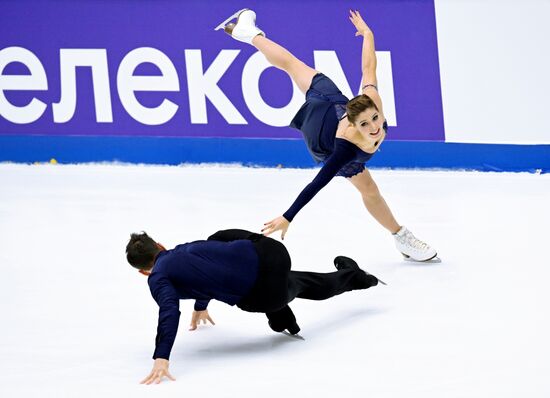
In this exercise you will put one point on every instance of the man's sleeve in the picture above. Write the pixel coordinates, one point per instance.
(169, 314)
(201, 305)
(229, 235)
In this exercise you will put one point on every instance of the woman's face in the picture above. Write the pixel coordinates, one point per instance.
(369, 124)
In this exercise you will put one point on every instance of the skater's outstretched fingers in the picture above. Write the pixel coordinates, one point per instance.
(204, 316)
(159, 375)
(167, 374)
(199, 316)
(149, 379)
(359, 23)
(149, 376)
(277, 224)
(160, 369)
(194, 321)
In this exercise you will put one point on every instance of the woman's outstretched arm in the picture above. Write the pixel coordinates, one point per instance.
(343, 154)
(369, 82)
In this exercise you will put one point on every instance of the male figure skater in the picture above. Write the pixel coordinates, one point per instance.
(239, 268)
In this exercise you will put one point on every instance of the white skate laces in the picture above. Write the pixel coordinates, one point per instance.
(244, 29)
(411, 247)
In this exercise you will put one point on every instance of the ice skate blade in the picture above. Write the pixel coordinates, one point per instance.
(222, 25)
(432, 260)
(382, 282)
(294, 336)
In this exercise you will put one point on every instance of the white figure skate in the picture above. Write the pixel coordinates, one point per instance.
(244, 29)
(413, 248)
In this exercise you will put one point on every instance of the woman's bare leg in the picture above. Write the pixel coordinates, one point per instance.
(281, 58)
(405, 241)
(374, 202)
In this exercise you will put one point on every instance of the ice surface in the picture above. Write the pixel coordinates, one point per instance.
(78, 321)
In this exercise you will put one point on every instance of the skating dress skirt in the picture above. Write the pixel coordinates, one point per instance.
(318, 120)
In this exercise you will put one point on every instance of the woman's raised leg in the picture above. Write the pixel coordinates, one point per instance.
(283, 59)
(245, 30)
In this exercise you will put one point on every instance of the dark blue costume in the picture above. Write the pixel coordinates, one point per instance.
(200, 270)
(318, 121)
(239, 268)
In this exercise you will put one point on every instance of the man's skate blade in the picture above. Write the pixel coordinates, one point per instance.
(222, 25)
(294, 336)
(382, 282)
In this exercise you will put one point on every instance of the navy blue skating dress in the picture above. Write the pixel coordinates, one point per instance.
(318, 121)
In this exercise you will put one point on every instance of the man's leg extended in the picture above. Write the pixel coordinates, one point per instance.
(321, 286)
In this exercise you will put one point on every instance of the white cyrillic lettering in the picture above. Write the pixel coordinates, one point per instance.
(127, 84)
(328, 63)
(69, 60)
(277, 117)
(385, 85)
(35, 81)
(202, 84)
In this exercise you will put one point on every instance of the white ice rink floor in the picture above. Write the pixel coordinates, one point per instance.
(78, 321)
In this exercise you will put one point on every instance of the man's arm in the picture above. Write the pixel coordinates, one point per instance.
(201, 305)
(168, 301)
(166, 297)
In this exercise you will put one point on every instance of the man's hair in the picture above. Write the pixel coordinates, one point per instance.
(141, 251)
(357, 105)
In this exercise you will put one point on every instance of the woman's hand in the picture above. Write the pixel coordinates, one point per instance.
(160, 369)
(359, 23)
(277, 224)
(199, 316)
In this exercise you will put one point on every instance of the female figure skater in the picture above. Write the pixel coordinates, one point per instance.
(342, 133)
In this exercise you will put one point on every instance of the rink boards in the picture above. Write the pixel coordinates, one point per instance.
(154, 83)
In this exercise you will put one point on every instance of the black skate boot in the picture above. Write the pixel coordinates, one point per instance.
(343, 262)
(283, 319)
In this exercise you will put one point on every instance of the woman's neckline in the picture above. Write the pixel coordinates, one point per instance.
(358, 147)
(376, 146)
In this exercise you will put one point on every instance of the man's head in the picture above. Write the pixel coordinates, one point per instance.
(141, 251)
